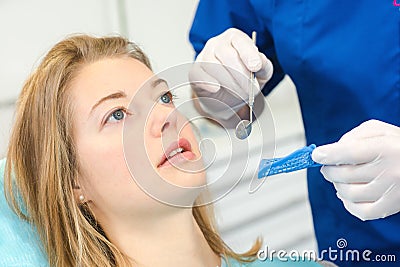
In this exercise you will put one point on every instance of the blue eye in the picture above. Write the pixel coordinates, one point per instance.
(117, 115)
(166, 98)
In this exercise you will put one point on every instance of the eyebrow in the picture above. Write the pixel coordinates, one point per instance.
(116, 95)
(158, 82)
(120, 94)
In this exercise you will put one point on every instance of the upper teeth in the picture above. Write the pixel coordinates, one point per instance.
(175, 151)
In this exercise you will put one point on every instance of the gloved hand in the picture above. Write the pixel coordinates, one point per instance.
(366, 171)
(223, 67)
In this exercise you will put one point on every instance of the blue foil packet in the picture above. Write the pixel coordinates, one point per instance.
(299, 159)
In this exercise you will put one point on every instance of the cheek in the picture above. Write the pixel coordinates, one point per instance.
(101, 154)
(102, 165)
(106, 179)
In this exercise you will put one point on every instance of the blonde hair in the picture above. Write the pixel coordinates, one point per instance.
(42, 165)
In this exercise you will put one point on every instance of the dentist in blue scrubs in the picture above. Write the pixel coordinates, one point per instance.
(344, 58)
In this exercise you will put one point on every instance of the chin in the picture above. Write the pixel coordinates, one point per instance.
(183, 178)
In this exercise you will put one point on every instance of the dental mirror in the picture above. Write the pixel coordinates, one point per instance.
(243, 129)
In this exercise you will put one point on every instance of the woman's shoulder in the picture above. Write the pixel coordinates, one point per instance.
(19, 243)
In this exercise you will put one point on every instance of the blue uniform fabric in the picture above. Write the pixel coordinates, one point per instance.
(344, 58)
(19, 243)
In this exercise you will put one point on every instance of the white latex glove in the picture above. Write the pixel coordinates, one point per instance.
(367, 171)
(223, 68)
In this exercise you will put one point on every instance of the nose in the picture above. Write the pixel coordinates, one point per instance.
(162, 119)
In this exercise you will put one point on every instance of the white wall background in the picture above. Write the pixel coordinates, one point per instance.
(279, 211)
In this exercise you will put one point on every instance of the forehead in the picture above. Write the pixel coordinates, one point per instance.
(105, 76)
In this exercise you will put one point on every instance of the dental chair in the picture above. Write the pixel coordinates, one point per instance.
(19, 242)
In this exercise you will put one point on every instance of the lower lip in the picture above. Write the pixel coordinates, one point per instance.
(179, 158)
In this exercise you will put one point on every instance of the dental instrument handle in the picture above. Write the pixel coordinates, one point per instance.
(252, 79)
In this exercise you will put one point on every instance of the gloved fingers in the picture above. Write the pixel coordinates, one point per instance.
(349, 152)
(266, 71)
(363, 211)
(201, 81)
(222, 62)
(387, 205)
(349, 174)
(246, 50)
(371, 128)
(366, 192)
(224, 78)
(232, 52)
(229, 57)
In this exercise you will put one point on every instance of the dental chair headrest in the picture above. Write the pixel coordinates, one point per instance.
(19, 242)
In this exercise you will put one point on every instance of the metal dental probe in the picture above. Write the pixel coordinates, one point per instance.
(243, 129)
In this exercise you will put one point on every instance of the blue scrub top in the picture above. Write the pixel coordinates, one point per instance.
(344, 58)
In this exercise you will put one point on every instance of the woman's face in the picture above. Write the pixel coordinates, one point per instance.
(101, 94)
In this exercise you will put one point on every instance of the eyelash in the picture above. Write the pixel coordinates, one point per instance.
(110, 115)
(172, 97)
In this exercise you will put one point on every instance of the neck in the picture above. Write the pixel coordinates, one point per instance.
(171, 240)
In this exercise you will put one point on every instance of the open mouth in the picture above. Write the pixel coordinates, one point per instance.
(177, 152)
